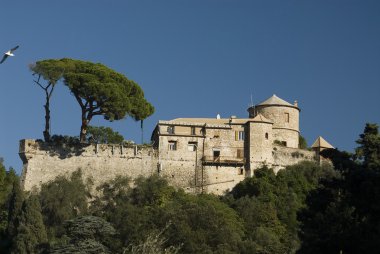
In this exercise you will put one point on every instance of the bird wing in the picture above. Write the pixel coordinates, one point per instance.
(15, 48)
(4, 57)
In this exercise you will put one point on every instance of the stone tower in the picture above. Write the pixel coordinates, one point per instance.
(260, 142)
(285, 118)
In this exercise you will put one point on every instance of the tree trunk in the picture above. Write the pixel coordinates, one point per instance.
(83, 130)
(85, 121)
(46, 132)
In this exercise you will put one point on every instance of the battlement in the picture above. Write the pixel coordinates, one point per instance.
(31, 146)
(43, 162)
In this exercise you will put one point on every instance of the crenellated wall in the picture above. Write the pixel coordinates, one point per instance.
(43, 163)
(193, 171)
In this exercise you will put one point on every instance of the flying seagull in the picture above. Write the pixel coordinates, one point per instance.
(8, 53)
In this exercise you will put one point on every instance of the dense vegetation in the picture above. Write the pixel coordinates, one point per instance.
(306, 208)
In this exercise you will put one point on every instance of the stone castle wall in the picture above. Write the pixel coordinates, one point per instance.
(101, 163)
(42, 163)
(283, 156)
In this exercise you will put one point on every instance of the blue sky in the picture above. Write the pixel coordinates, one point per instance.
(198, 58)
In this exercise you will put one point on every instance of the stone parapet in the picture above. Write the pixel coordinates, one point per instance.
(284, 156)
(43, 162)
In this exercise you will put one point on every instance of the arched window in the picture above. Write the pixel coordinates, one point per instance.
(266, 135)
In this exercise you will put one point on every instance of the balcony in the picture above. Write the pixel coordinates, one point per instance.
(223, 160)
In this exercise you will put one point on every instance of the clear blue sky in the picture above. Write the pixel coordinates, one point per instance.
(198, 58)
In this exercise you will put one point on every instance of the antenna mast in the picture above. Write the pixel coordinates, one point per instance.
(253, 106)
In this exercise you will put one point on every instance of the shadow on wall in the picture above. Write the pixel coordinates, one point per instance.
(64, 146)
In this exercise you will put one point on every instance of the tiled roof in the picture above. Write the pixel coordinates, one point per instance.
(321, 142)
(260, 118)
(274, 100)
(222, 121)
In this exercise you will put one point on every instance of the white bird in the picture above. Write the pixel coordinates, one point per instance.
(8, 53)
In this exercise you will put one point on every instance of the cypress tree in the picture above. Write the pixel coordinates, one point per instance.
(15, 205)
(31, 233)
(369, 148)
(7, 179)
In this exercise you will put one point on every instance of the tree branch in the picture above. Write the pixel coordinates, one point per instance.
(52, 89)
(92, 108)
(100, 112)
(38, 83)
(79, 101)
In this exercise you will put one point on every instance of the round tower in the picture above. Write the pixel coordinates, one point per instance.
(285, 118)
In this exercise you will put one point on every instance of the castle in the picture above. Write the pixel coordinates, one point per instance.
(197, 154)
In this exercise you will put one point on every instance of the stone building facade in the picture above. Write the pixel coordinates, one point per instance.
(197, 154)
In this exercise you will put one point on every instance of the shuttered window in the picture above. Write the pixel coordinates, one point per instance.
(172, 145)
(239, 135)
(240, 153)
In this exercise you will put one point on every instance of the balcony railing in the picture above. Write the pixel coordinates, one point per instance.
(225, 160)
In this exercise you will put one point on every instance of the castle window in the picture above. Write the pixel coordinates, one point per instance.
(266, 135)
(172, 145)
(239, 135)
(170, 129)
(192, 146)
(286, 117)
(240, 153)
(216, 153)
(192, 130)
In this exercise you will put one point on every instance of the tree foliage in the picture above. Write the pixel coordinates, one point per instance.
(30, 232)
(11, 199)
(63, 199)
(302, 143)
(203, 224)
(104, 135)
(369, 149)
(343, 214)
(86, 234)
(7, 180)
(153, 243)
(51, 71)
(102, 91)
(200, 224)
(15, 208)
(269, 203)
(97, 89)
